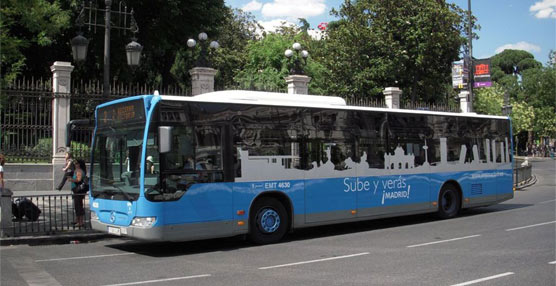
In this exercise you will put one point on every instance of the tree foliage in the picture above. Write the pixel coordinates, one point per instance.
(235, 32)
(267, 67)
(409, 44)
(24, 26)
(489, 100)
(531, 87)
(522, 117)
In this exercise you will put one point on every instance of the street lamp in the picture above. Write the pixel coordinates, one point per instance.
(297, 69)
(507, 107)
(79, 43)
(133, 53)
(202, 60)
(79, 47)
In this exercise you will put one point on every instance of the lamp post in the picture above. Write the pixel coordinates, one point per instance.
(470, 54)
(507, 107)
(297, 69)
(126, 23)
(202, 60)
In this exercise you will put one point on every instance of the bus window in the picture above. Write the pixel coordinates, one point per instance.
(208, 153)
(182, 149)
(372, 140)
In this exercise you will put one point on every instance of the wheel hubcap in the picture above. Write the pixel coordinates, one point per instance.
(269, 220)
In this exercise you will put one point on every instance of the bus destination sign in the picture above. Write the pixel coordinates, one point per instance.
(122, 113)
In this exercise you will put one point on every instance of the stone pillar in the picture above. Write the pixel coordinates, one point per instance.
(392, 97)
(298, 84)
(6, 226)
(465, 102)
(61, 87)
(202, 80)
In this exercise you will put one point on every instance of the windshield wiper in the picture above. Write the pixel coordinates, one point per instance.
(119, 190)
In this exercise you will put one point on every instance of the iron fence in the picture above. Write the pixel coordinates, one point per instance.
(445, 107)
(522, 174)
(26, 115)
(26, 120)
(56, 214)
(372, 102)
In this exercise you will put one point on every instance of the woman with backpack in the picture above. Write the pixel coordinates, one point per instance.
(79, 178)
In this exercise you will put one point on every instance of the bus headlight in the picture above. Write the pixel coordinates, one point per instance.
(144, 222)
(94, 215)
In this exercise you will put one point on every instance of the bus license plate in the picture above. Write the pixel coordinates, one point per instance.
(114, 230)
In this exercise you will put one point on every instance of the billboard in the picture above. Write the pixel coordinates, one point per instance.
(481, 74)
(459, 75)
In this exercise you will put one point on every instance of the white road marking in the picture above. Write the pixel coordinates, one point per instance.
(161, 280)
(533, 225)
(32, 273)
(83, 257)
(553, 262)
(442, 241)
(545, 202)
(484, 279)
(313, 261)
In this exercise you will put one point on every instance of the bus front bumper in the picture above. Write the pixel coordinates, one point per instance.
(180, 232)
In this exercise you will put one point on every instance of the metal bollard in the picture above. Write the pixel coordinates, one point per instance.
(6, 226)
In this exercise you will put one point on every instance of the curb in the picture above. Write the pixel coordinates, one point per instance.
(526, 184)
(73, 238)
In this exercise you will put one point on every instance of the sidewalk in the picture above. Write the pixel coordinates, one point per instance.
(62, 238)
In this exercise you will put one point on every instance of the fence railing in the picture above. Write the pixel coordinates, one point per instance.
(522, 174)
(445, 107)
(26, 120)
(53, 214)
(366, 102)
(26, 114)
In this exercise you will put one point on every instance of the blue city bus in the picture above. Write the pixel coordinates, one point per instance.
(168, 168)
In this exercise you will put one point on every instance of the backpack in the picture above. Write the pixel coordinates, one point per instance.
(29, 209)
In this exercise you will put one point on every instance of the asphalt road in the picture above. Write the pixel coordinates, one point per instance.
(512, 243)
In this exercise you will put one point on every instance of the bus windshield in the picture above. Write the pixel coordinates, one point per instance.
(118, 144)
(116, 164)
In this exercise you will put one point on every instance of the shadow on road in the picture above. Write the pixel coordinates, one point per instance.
(170, 249)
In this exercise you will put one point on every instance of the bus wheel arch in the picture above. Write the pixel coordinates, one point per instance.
(270, 217)
(450, 199)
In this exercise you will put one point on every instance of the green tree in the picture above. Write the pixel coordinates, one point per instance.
(510, 62)
(531, 87)
(235, 32)
(509, 66)
(380, 43)
(523, 117)
(164, 27)
(545, 122)
(24, 26)
(489, 100)
(267, 67)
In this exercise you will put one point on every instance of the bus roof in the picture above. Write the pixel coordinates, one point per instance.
(299, 100)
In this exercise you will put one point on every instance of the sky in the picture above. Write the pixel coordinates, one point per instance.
(528, 25)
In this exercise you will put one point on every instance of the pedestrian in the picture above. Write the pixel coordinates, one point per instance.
(68, 169)
(2, 161)
(77, 179)
(150, 165)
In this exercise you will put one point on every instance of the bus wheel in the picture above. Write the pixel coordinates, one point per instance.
(268, 222)
(449, 202)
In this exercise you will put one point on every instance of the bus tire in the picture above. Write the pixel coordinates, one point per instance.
(268, 221)
(449, 202)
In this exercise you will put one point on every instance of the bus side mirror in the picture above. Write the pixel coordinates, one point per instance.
(164, 139)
